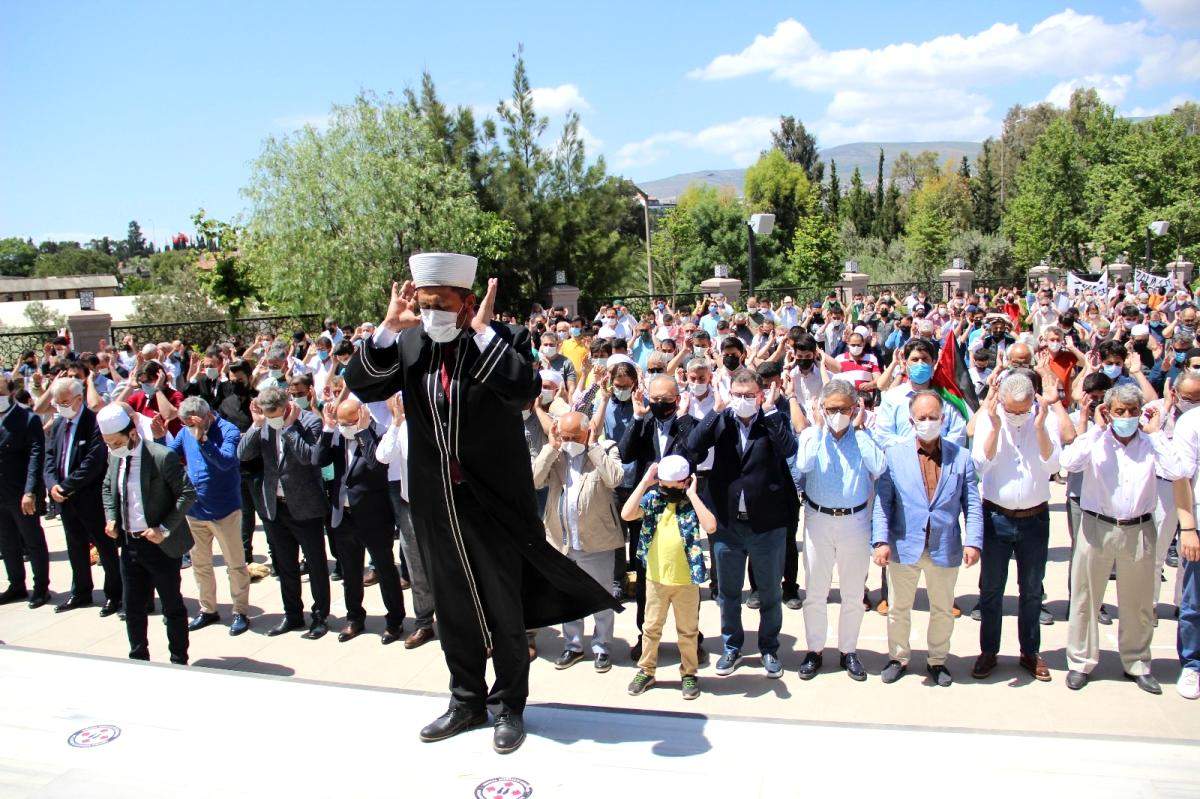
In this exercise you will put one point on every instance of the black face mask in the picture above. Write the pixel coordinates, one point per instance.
(664, 409)
(731, 362)
(239, 388)
(804, 363)
(672, 494)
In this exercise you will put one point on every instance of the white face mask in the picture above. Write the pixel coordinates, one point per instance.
(211, 373)
(4, 403)
(599, 361)
(856, 350)
(348, 430)
(698, 389)
(573, 448)
(275, 422)
(1054, 346)
(549, 351)
(1184, 405)
(548, 395)
(119, 452)
(65, 411)
(699, 352)
(744, 407)
(441, 326)
(927, 429)
(623, 394)
(837, 421)
(1017, 420)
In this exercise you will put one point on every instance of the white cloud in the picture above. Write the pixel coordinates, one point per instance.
(1179, 13)
(555, 100)
(905, 116)
(740, 141)
(1111, 88)
(1175, 61)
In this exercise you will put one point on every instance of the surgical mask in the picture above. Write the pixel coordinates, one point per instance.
(549, 351)
(1184, 405)
(323, 355)
(1054, 346)
(573, 449)
(1125, 426)
(5, 402)
(920, 372)
(600, 362)
(1112, 370)
(348, 430)
(148, 389)
(275, 422)
(441, 326)
(548, 395)
(211, 373)
(1017, 420)
(731, 362)
(275, 374)
(62, 352)
(744, 407)
(65, 411)
(699, 352)
(698, 389)
(609, 321)
(622, 394)
(927, 429)
(120, 452)
(1180, 357)
(301, 402)
(856, 350)
(712, 309)
(837, 421)
(574, 332)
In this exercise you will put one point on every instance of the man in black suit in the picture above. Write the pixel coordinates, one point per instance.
(657, 430)
(74, 471)
(146, 493)
(291, 501)
(22, 497)
(362, 516)
(747, 491)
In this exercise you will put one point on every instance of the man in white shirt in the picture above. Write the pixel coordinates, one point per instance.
(1015, 452)
(1119, 459)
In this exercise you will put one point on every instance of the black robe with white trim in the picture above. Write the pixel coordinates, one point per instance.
(482, 428)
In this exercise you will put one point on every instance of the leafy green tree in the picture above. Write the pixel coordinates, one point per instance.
(833, 200)
(984, 193)
(17, 257)
(778, 186)
(990, 256)
(135, 242)
(878, 206)
(40, 315)
(717, 220)
(797, 145)
(910, 171)
(887, 225)
(229, 283)
(673, 245)
(858, 205)
(814, 262)
(74, 261)
(176, 295)
(929, 229)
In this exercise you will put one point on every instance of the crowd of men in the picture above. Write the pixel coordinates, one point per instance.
(670, 450)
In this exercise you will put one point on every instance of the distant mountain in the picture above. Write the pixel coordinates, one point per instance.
(863, 155)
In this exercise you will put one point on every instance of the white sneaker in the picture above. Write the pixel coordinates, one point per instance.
(1189, 684)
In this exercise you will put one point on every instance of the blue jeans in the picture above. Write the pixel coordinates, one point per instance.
(1188, 638)
(730, 548)
(1003, 537)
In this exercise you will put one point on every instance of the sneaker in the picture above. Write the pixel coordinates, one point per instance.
(1045, 617)
(603, 663)
(567, 659)
(753, 602)
(691, 686)
(728, 663)
(1103, 616)
(1172, 556)
(641, 681)
(1189, 684)
(940, 675)
(793, 603)
(892, 671)
(772, 666)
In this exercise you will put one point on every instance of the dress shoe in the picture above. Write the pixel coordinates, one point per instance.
(603, 663)
(509, 733)
(202, 620)
(418, 637)
(567, 659)
(38, 598)
(1146, 682)
(1103, 616)
(854, 666)
(286, 625)
(13, 593)
(239, 624)
(940, 675)
(1045, 617)
(451, 723)
(753, 602)
(317, 629)
(793, 603)
(370, 578)
(351, 630)
(1035, 666)
(110, 607)
(179, 661)
(810, 666)
(867, 603)
(391, 635)
(893, 671)
(335, 576)
(984, 664)
(74, 603)
(1076, 680)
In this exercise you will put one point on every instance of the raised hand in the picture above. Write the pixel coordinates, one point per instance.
(256, 414)
(1152, 421)
(991, 407)
(395, 404)
(158, 426)
(640, 407)
(487, 308)
(401, 313)
(555, 436)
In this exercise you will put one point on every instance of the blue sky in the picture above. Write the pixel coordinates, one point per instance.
(117, 111)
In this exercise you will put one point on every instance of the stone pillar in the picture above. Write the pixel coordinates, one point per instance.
(1119, 273)
(957, 279)
(1180, 273)
(562, 295)
(851, 283)
(731, 287)
(87, 328)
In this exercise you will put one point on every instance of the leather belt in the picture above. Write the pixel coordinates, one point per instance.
(834, 511)
(1023, 513)
(1145, 517)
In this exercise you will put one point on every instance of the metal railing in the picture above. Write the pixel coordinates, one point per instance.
(15, 343)
(210, 331)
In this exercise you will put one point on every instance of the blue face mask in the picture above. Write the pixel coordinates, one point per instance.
(920, 372)
(1180, 357)
(1124, 426)
(323, 355)
(574, 332)
(1112, 370)
(712, 309)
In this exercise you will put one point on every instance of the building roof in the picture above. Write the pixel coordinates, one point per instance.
(122, 308)
(13, 285)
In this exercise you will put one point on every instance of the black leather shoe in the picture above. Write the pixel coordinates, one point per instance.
(509, 733)
(1076, 680)
(239, 624)
(38, 598)
(853, 666)
(13, 594)
(179, 661)
(391, 635)
(567, 659)
(202, 620)
(286, 626)
(810, 666)
(351, 630)
(1146, 682)
(110, 607)
(451, 723)
(74, 603)
(317, 629)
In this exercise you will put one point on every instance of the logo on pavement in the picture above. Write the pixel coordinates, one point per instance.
(98, 735)
(504, 788)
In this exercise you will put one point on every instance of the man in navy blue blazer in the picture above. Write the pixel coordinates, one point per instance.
(22, 497)
(928, 483)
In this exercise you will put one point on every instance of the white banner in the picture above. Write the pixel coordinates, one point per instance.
(1151, 281)
(1077, 285)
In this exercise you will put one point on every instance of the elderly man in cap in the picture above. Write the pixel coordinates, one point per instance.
(466, 380)
(146, 496)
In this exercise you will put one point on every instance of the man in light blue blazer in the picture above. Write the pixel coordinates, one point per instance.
(929, 482)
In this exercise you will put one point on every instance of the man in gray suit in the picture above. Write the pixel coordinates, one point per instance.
(146, 493)
(291, 501)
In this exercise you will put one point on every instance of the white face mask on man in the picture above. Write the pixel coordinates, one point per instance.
(927, 429)
(441, 326)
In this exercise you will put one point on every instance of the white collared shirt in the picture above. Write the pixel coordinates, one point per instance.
(1017, 476)
(698, 408)
(1118, 479)
(129, 483)
(570, 497)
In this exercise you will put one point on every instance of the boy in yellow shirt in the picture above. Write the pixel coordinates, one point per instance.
(672, 516)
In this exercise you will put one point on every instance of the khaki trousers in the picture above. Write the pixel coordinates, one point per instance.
(1098, 546)
(228, 532)
(685, 600)
(902, 591)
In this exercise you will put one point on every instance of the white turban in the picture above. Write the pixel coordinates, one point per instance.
(674, 469)
(112, 419)
(443, 269)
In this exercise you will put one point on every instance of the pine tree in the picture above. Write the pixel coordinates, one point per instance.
(887, 224)
(835, 192)
(135, 241)
(879, 185)
(858, 203)
(964, 169)
(984, 198)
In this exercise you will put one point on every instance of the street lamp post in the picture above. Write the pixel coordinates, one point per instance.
(758, 225)
(644, 199)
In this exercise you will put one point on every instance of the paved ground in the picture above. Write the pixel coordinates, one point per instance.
(1008, 701)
